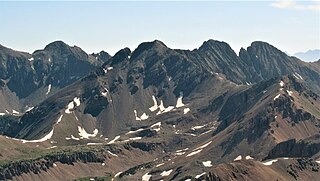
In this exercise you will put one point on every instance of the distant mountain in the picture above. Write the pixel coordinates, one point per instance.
(309, 56)
(156, 113)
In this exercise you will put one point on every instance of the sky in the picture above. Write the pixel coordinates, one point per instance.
(292, 26)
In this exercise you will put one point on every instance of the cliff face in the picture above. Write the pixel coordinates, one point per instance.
(293, 148)
(10, 170)
(300, 169)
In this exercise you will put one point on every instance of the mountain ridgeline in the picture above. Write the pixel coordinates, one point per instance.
(190, 113)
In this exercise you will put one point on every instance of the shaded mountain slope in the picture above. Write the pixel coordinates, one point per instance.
(30, 78)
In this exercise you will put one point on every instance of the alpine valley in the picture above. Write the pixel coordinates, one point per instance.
(156, 113)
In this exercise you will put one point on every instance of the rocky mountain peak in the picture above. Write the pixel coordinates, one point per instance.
(56, 45)
(148, 47)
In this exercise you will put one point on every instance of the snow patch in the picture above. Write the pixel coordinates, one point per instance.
(49, 89)
(55, 165)
(198, 176)
(146, 177)
(143, 117)
(186, 110)
(160, 164)
(72, 104)
(2, 114)
(281, 83)
(59, 120)
(15, 112)
(289, 92)
(276, 97)
(107, 69)
(166, 173)
(74, 138)
(90, 144)
(117, 174)
(115, 139)
(136, 131)
(112, 153)
(29, 109)
(249, 158)
(238, 158)
(135, 138)
(207, 164)
(297, 76)
(84, 134)
(51, 147)
(31, 59)
(155, 105)
(180, 153)
(270, 162)
(45, 138)
(182, 150)
(179, 102)
(194, 153)
(158, 124)
(203, 146)
(197, 127)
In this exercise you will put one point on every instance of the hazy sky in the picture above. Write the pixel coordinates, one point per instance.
(291, 26)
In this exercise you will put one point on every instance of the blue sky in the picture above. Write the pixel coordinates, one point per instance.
(292, 26)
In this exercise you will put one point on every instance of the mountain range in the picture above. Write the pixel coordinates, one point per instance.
(309, 56)
(156, 113)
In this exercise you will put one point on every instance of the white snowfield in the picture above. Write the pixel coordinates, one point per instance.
(238, 158)
(249, 157)
(186, 110)
(155, 105)
(194, 153)
(198, 176)
(15, 112)
(281, 83)
(297, 76)
(276, 97)
(84, 134)
(115, 139)
(107, 69)
(163, 109)
(158, 124)
(146, 177)
(45, 138)
(74, 103)
(60, 118)
(49, 89)
(143, 117)
(207, 163)
(270, 162)
(112, 153)
(199, 149)
(29, 109)
(179, 102)
(166, 173)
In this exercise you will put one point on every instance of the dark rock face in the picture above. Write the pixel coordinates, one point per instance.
(292, 148)
(58, 64)
(301, 165)
(10, 170)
